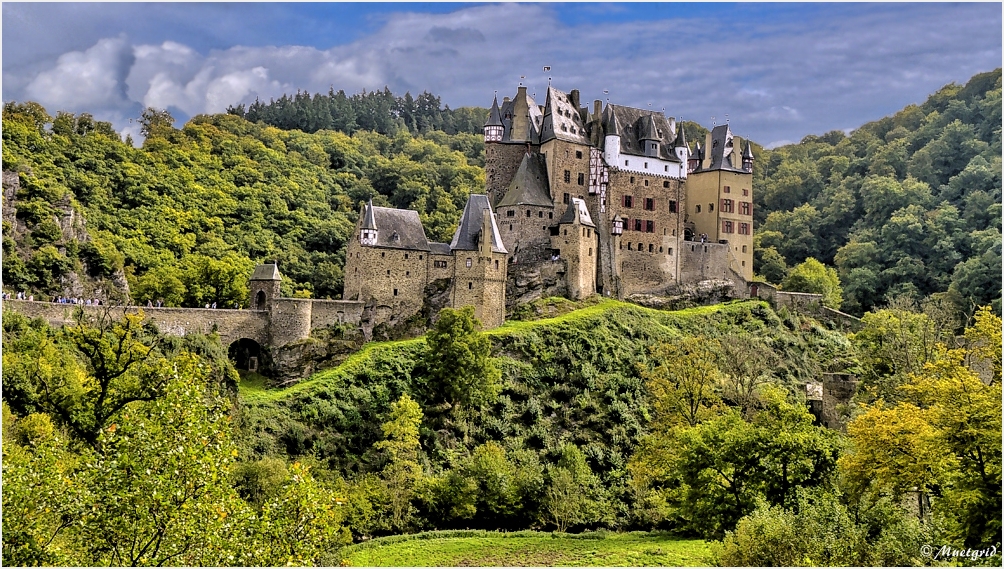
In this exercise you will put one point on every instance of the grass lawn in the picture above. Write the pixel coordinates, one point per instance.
(528, 548)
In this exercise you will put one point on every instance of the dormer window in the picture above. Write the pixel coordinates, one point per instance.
(394, 237)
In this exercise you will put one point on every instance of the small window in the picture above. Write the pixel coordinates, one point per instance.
(566, 198)
(746, 192)
(568, 176)
(550, 215)
(744, 248)
(407, 273)
(711, 207)
(420, 257)
(727, 189)
(649, 247)
(646, 181)
(405, 255)
(640, 245)
(578, 154)
(628, 201)
(590, 251)
(660, 249)
(496, 265)
(470, 285)
(469, 262)
(388, 272)
(630, 247)
(650, 226)
(510, 227)
(646, 167)
(632, 179)
(665, 184)
(625, 162)
(697, 208)
(665, 169)
(637, 225)
(383, 254)
(650, 204)
(670, 250)
(510, 213)
(672, 206)
(744, 263)
(540, 214)
(395, 292)
(528, 213)
(582, 179)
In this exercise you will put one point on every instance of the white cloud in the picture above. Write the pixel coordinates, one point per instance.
(776, 80)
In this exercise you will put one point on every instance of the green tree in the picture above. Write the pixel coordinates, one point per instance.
(460, 368)
(684, 381)
(574, 494)
(814, 277)
(403, 471)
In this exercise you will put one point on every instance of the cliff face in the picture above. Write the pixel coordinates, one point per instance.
(46, 253)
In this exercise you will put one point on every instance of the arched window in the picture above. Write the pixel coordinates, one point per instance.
(259, 300)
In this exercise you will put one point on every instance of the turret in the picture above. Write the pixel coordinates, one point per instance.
(748, 157)
(494, 127)
(695, 158)
(368, 232)
(612, 139)
(681, 148)
(264, 285)
(648, 135)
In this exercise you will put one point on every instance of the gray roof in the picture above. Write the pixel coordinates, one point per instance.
(681, 138)
(748, 153)
(439, 248)
(468, 233)
(721, 149)
(529, 186)
(562, 119)
(577, 209)
(635, 125)
(533, 125)
(399, 229)
(266, 272)
(495, 116)
(368, 221)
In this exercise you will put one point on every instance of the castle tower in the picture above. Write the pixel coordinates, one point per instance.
(479, 261)
(520, 121)
(264, 286)
(682, 150)
(368, 233)
(494, 128)
(720, 197)
(577, 242)
(748, 158)
(526, 212)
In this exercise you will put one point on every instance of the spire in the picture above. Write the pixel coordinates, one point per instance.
(547, 125)
(495, 117)
(647, 129)
(369, 222)
(748, 153)
(613, 125)
(681, 140)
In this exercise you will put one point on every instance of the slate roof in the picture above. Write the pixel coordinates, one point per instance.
(577, 207)
(439, 248)
(468, 233)
(721, 149)
(266, 272)
(635, 125)
(398, 228)
(536, 118)
(681, 138)
(562, 119)
(495, 116)
(529, 186)
(748, 153)
(368, 221)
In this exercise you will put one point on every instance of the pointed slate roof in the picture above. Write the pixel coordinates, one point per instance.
(495, 116)
(468, 233)
(266, 272)
(721, 149)
(647, 129)
(681, 139)
(368, 220)
(399, 228)
(577, 210)
(529, 186)
(641, 125)
(561, 119)
(748, 153)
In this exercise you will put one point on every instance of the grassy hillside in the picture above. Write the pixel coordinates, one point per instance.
(529, 549)
(574, 378)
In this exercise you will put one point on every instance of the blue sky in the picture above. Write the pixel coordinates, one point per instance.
(780, 71)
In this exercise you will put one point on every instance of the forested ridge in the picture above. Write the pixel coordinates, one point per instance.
(907, 206)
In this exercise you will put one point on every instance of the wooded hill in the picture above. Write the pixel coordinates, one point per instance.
(904, 207)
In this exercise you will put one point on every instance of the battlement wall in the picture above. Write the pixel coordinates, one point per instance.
(325, 313)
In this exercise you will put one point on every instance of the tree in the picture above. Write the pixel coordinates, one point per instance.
(746, 362)
(403, 471)
(942, 438)
(460, 368)
(155, 122)
(709, 476)
(814, 277)
(574, 495)
(683, 381)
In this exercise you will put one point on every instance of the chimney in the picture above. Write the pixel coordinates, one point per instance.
(597, 107)
(574, 96)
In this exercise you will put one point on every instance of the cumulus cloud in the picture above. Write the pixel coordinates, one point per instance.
(777, 80)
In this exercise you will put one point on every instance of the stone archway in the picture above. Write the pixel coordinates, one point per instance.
(247, 355)
(259, 300)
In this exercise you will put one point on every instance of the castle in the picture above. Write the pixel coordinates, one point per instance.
(613, 202)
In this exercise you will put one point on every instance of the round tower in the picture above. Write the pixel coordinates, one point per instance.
(368, 232)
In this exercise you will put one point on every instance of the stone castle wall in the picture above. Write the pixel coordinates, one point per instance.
(704, 261)
(501, 163)
(526, 237)
(561, 157)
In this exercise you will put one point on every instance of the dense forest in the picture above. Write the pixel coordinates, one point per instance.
(379, 111)
(126, 446)
(907, 206)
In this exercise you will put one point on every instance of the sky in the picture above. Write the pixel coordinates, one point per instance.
(776, 72)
